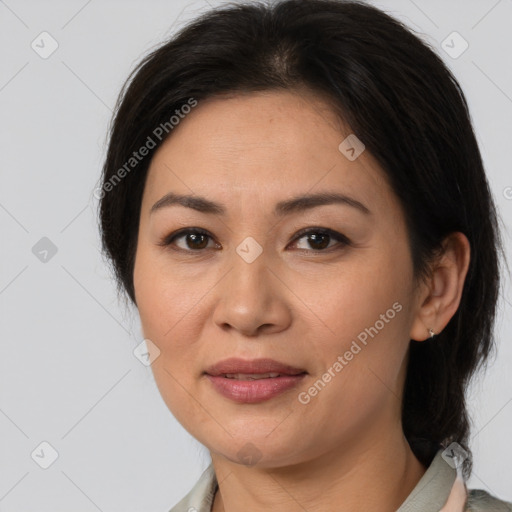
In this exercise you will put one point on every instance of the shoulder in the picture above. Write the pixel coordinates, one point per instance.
(479, 500)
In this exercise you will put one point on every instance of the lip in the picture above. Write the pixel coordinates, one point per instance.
(258, 366)
(253, 391)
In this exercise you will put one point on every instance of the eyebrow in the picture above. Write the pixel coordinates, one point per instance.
(294, 205)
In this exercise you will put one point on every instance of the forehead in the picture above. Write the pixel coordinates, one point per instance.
(276, 143)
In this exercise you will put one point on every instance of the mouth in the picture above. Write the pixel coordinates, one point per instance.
(253, 381)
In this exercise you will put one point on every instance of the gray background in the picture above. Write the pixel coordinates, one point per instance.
(68, 373)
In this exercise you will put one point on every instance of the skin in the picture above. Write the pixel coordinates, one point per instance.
(345, 449)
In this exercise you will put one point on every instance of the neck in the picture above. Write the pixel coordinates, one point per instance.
(375, 477)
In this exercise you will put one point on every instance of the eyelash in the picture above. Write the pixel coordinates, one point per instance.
(168, 240)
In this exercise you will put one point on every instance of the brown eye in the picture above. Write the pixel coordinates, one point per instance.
(319, 239)
(192, 240)
(195, 240)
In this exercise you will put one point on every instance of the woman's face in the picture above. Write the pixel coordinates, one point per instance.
(339, 309)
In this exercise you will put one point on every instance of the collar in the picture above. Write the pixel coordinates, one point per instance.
(432, 491)
(429, 495)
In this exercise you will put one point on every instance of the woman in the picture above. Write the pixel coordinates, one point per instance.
(294, 200)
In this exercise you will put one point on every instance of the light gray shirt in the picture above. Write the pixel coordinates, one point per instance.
(429, 495)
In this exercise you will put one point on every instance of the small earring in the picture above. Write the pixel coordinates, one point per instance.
(431, 332)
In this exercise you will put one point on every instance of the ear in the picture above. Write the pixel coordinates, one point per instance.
(439, 298)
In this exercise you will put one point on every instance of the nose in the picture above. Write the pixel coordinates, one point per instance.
(251, 299)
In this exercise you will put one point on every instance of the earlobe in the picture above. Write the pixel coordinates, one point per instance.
(442, 295)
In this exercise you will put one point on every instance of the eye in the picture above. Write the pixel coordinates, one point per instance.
(319, 238)
(194, 239)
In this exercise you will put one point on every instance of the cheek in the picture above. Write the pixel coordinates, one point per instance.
(165, 308)
(168, 306)
(364, 361)
(370, 288)
(367, 312)
(162, 298)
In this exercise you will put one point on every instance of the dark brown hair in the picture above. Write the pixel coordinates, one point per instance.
(399, 98)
